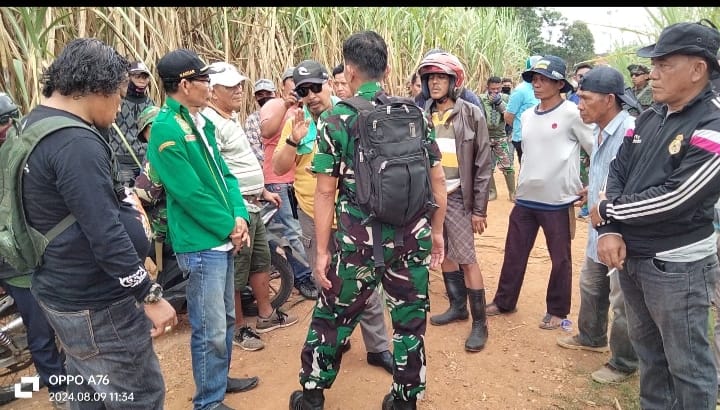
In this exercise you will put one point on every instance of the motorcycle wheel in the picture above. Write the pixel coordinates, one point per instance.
(282, 279)
(22, 364)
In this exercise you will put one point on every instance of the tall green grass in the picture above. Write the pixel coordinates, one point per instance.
(262, 41)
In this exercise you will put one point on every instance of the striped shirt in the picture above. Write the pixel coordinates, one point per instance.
(602, 154)
(445, 138)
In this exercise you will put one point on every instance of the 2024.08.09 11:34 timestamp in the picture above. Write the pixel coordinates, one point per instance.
(91, 396)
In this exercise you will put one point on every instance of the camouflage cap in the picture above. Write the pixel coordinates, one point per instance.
(638, 69)
(147, 116)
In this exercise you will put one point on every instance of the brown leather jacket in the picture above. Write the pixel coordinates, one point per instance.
(472, 144)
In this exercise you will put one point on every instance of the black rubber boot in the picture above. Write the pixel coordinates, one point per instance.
(313, 399)
(457, 295)
(493, 189)
(479, 332)
(390, 403)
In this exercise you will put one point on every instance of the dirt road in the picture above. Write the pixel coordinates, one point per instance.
(521, 367)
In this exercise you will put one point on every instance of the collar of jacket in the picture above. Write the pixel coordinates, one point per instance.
(705, 95)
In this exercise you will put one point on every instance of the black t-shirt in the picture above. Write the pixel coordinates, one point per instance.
(98, 260)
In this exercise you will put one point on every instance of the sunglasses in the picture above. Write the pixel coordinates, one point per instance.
(6, 118)
(303, 92)
(636, 74)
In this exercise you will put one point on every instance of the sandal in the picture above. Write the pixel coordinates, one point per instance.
(550, 322)
(494, 310)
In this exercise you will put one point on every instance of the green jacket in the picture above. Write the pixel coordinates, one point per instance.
(203, 198)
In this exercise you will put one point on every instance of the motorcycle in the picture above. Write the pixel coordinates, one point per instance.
(15, 358)
(281, 273)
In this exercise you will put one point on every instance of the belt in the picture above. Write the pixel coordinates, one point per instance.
(252, 199)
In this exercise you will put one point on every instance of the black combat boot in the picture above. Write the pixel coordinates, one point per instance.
(307, 399)
(479, 332)
(457, 295)
(391, 403)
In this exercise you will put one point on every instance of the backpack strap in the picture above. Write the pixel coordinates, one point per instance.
(358, 103)
(378, 257)
(42, 128)
(60, 227)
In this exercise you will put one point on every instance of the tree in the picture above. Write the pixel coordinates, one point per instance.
(577, 43)
(532, 23)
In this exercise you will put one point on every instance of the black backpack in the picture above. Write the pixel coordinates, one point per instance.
(391, 165)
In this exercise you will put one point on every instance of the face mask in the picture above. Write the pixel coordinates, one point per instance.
(506, 90)
(263, 100)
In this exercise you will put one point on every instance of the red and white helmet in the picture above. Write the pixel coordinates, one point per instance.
(444, 63)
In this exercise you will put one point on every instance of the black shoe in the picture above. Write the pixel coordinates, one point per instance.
(345, 348)
(308, 289)
(382, 359)
(389, 403)
(238, 385)
(307, 400)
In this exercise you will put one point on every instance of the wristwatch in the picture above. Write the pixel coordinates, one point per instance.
(290, 142)
(154, 295)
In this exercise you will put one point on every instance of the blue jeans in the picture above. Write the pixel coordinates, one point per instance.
(211, 310)
(47, 359)
(112, 344)
(598, 293)
(667, 308)
(291, 231)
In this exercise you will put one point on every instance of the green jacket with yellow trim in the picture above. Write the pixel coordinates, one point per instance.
(203, 198)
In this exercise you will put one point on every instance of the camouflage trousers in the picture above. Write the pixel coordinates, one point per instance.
(338, 309)
(501, 154)
(584, 167)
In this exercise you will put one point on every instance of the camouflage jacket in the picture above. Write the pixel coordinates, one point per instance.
(334, 157)
(152, 195)
(494, 115)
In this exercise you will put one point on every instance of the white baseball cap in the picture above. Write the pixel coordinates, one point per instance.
(227, 74)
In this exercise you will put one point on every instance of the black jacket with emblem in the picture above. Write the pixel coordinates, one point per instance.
(665, 180)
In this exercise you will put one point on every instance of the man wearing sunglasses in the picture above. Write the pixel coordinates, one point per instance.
(207, 221)
(641, 89)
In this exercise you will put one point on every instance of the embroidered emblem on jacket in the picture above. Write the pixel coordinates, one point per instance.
(165, 145)
(675, 145)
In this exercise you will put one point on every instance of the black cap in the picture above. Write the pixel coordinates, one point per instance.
(606, 80)
(638, 69)
(689, 39)
(138, 67)
(552, 67)
(309, 71)
(182, 63)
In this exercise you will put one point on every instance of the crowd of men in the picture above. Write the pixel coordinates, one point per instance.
(644, 160)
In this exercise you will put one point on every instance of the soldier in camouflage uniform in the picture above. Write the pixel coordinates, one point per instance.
(641, 90)
(348, 277)
(494, 103)
(151, 193)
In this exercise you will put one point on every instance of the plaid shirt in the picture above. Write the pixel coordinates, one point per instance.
(252, 130)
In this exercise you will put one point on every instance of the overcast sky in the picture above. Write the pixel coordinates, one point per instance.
(604, 22)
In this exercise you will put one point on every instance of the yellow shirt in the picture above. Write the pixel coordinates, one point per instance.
(304, 179)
